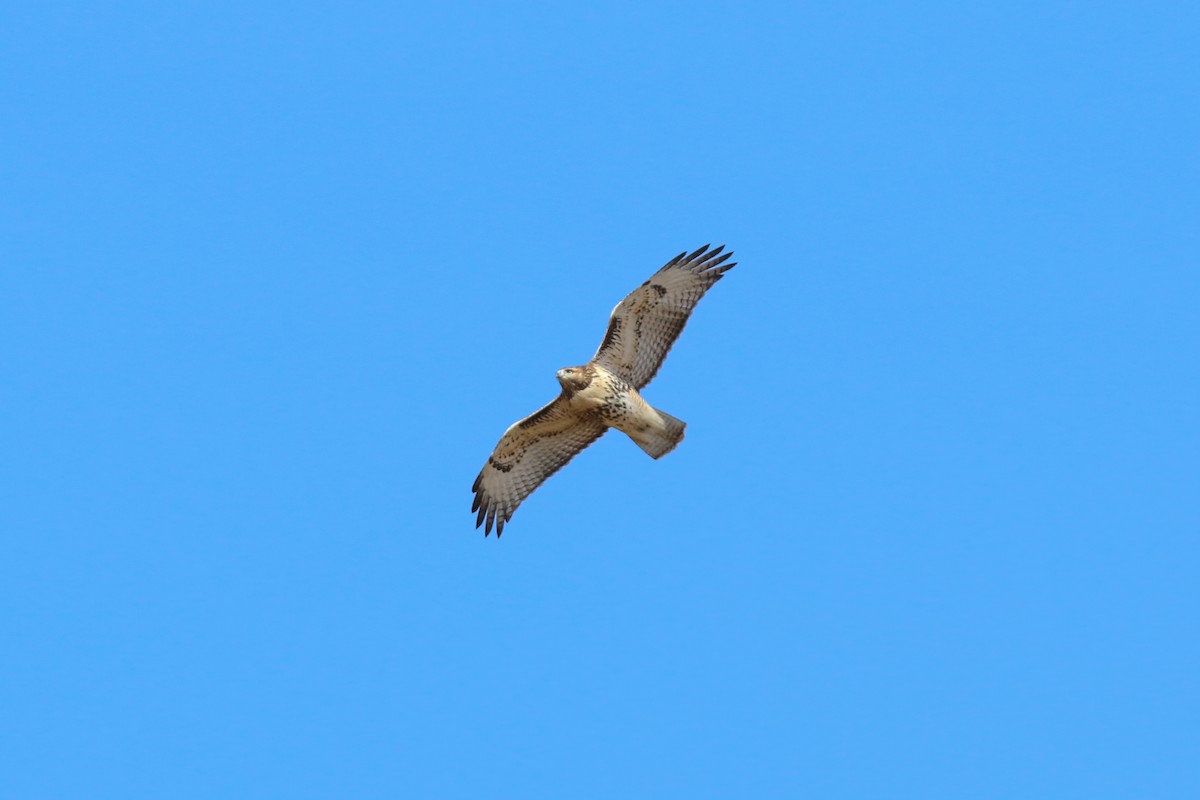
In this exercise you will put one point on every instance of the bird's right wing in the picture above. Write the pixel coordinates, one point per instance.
(530, 452)
(646, 323)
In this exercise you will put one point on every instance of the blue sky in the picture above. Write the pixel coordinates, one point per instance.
(277, 276)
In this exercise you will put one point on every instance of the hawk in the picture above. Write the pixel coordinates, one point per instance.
(602, 393)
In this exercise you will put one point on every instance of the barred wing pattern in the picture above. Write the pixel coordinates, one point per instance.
(645, 324)
(529, 452)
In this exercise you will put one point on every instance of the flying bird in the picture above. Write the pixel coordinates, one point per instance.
(603, 393)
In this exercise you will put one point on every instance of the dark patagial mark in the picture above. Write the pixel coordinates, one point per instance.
(536, 417)
(660, 289)
(614, 330)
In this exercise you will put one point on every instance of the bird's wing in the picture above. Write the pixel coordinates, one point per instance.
(645, 324)
(529, 452)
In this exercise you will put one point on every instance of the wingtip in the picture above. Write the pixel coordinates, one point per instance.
(700, 260)
(711, 264)
(697, 260)
(674, 261)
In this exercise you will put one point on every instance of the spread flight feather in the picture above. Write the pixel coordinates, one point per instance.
(604, 392)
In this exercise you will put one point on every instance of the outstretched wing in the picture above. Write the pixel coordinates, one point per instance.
(528, 453)
(645, 324)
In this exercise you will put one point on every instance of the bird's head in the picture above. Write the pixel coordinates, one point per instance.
(574, 378)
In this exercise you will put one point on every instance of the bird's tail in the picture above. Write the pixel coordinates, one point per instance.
(661, 439)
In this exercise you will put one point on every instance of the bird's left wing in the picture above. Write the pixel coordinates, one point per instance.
(645, 324)
(530, 452)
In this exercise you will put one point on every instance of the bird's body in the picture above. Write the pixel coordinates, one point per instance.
(604, 393)
(613, 400)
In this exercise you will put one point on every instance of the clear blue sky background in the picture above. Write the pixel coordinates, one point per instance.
(276, 276)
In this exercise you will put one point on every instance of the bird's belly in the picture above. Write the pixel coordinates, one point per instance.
(622, 409)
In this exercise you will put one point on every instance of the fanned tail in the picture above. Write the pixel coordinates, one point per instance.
(660, 440)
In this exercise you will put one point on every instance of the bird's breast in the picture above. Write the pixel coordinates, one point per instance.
(613, 400)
